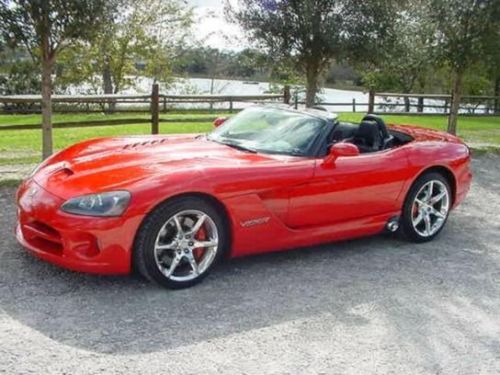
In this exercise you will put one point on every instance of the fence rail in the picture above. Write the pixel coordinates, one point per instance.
(377, 102)
(157, 104)
(474, 105)
(470, 105)
(32, 103)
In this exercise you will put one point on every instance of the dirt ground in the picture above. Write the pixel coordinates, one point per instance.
(376, 305)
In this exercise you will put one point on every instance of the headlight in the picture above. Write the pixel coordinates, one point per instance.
(112, 203)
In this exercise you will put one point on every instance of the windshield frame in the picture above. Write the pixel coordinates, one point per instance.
(312, 151)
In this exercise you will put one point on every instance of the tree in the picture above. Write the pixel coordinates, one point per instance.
(463, 30)
(492, 63)
(311, 33)
(44, 28)
(139, 39)
(404, 61)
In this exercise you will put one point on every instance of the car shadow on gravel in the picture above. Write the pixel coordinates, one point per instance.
(415, 288)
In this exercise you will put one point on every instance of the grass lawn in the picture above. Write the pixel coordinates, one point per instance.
(24, 146)
(76, 117)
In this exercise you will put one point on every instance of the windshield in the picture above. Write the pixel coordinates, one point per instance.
(270, 130)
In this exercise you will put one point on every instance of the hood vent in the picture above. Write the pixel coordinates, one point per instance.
(144, 144)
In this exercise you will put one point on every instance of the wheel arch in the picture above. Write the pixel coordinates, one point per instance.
(214, 201)
(217, 203)
(445, 172)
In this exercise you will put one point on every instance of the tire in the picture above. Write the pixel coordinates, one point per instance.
(166, 243)
(423, 220)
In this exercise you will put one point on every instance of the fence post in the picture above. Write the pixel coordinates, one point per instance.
(407, 104)
(296, 100)
(286, 94)
(353, 105)
(230, 105)
(164, 104)
(155, 104)
(371, 101)
(420, 105)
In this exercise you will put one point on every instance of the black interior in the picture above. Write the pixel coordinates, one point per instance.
(367, 137)
(370, 135)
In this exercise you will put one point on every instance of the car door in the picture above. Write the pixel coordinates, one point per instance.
(351, 188)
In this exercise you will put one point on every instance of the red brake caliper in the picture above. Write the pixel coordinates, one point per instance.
(414, 210)
(200, 236)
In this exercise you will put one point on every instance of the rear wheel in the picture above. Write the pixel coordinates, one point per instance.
(180, 242)
(426, 207)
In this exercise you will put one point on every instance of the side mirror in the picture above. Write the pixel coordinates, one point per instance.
(341, 149)
(219, 121)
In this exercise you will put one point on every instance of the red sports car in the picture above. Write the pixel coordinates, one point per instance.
(270, 178)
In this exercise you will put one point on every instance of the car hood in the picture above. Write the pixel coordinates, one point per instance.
(116, 163)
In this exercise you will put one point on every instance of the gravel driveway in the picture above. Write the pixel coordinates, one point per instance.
(376, 305)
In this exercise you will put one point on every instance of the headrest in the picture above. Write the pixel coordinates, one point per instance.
(368, 128)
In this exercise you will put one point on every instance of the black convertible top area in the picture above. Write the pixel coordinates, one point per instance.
(370, 135)
(365, 135)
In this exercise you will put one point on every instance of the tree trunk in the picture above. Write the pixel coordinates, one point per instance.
(213, 75)
(286, 94)
(107, 84)
(497, 94)
(456, 97)
(312, 85)
(47, 144)
(371, 101)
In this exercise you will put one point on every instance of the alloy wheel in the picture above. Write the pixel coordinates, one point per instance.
(430, 208)
(186, 245)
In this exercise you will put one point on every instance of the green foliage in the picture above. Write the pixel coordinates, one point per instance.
(139, 39)
(405, 56)
(51, 24)
(191, 61)
(464, 29)
(247, 63)
(22, 77)
(309, 34)
(200, 61)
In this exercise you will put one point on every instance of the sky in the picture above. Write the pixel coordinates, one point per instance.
(211, 28)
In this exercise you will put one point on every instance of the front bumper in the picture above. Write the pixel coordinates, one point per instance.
(79, 243)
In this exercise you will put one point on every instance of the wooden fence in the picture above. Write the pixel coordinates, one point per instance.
(25, 104)
(157, 104)
(439, 104)
(154, 104)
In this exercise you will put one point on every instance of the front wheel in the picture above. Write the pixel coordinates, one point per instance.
(426, 207)
(180, 242)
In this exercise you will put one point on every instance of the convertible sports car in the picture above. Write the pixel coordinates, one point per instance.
(269, 178)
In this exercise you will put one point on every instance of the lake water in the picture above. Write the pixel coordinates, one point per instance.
(201, 86)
